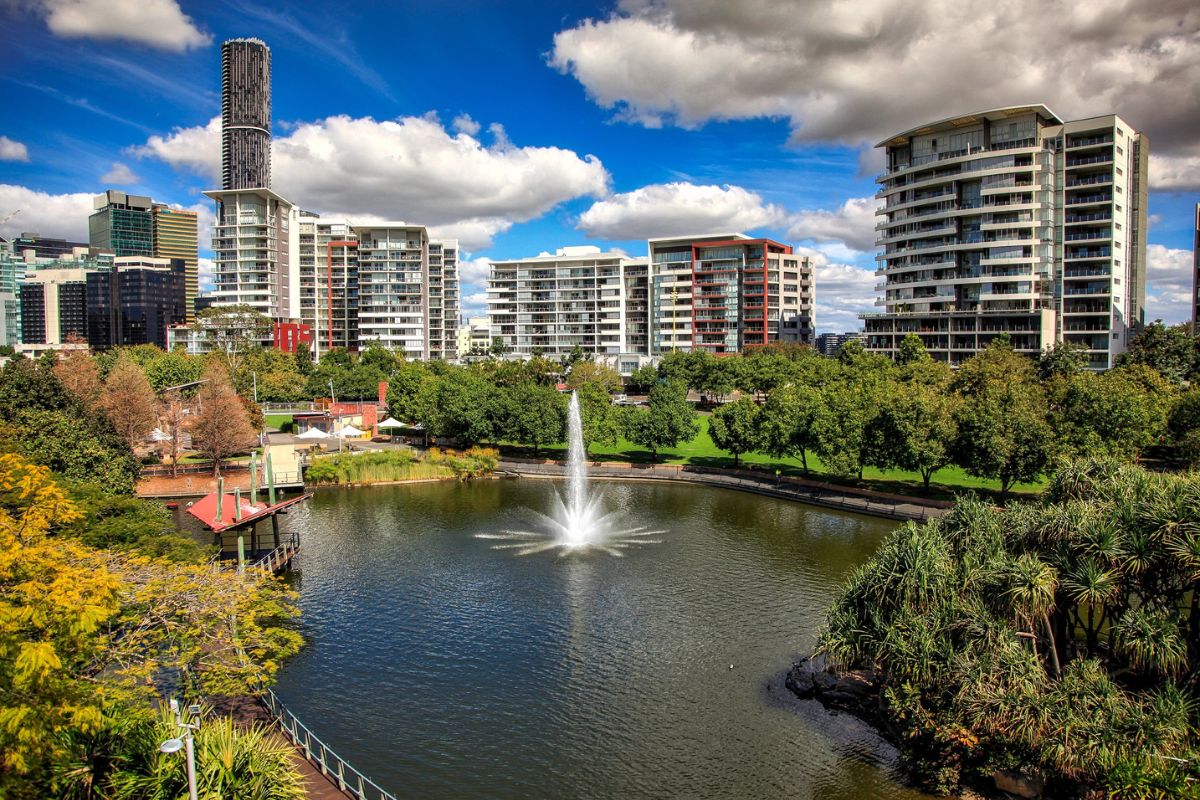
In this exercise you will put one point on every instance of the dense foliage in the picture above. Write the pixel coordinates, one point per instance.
(1061, 637)
(382, 466)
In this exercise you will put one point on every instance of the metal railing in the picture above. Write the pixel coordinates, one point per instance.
(278, 558)
(320, 755)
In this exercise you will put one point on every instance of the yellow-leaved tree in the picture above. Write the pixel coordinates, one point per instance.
(55, 599)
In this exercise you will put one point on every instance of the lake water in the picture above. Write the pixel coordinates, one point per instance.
(444, 668)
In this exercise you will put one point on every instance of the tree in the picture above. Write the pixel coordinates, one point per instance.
(792, 421)
(601, 419)
(1119, 413)
(843, 438)
(221, 425)
(669, 420)
(735, 427)
(642, 378)
(1169, 350)
(917, 429)
(1004, 433)
(233, 330)
(534, 414)
(499, 347)
(589, 372)
(130, 402)
(76, 370)
(304, 359)
(1063, 359)
(172, 421)
(911, 349)
(1185, 425)
(46, 424)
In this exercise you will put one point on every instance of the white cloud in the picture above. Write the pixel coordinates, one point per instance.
(474, 305)
(11, 150)
(63, 216)
(1175, 173)
(196, 150)
(474, 271)
(157, 23)
(858, 72)
(205, 267)
(669, 209)
(409, 168)
(119, 175)
(1168, 284)
(464, 124)
(853, 224)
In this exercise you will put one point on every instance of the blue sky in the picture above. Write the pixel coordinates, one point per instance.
(522, 127)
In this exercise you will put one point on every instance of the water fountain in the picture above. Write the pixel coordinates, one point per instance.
(579, 521)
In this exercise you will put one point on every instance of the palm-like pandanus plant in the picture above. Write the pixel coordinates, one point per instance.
(1064, 635)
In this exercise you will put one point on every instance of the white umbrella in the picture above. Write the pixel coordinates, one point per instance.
(313, 433)
(350, 430)
(392, 422)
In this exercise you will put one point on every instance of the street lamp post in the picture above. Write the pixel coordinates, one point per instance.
(185, 743)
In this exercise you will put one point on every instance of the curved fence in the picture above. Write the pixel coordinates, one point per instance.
(821, 494)
(320, 755)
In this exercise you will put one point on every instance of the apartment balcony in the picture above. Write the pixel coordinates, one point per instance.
(1091, 141)
(1089, 199)
(1079, 219)
(1095, 180)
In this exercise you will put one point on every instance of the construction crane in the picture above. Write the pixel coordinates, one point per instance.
(10, 216)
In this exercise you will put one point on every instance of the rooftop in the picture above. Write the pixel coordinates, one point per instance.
(962, 120)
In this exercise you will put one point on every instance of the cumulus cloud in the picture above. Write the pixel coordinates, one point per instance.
(474, 305)
(474, 271)
(671, 209)
(11, 150)
(157, 23)
(410, 168)
(857, 72)
(1175, 173)
(196, 149)
(119, 175)
(205, 268)
(1168, 284)
(63, 216)
(852, 224)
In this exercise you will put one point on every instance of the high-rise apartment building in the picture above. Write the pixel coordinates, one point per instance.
(252, 251)
(54, 306)
(828, 344)
(176, 237)
(393, 287)
(135, 301)
(443, 299)
(328, 275)
(15, 267)
(122, 224)
(245, 114)
(1012, 221)
(576, 297)
(726, 292)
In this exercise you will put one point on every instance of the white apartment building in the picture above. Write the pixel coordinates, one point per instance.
(255, 236)
(725, 292)
(327, 271)
(443, 299)
(577, 297)
(1012, 221)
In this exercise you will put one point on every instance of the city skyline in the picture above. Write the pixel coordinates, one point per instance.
(529, 137)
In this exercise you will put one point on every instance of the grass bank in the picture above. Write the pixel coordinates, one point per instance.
(390, 466)
(701, 451)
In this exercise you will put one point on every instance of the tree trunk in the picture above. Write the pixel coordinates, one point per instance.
(735, 460)
(926, 474)
(1053, 646)
(804, 461)
(216, 467)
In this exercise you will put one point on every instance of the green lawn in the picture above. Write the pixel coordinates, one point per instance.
(278, 421)
(702, 452)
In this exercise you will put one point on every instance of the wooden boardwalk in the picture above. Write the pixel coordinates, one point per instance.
(250, 710)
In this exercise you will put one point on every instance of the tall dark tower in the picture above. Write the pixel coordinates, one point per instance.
(245, 114)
